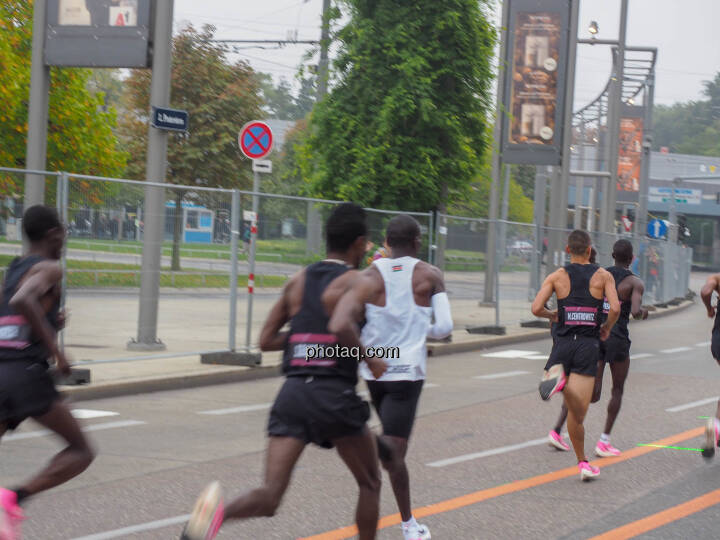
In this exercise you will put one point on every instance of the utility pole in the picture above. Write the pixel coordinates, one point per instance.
(36, 149)
(649, 103)
(155, 196)
(323, 70)
(490, 251)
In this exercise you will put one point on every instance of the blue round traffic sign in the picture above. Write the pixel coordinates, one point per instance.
(256, 139)
(657, 228)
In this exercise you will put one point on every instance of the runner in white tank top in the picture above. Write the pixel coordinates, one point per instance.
(397, 297)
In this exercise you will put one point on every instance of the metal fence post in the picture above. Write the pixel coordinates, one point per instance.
(234, 234)
(430, 238)
(498, 262)
(251, 272)
(63, 186)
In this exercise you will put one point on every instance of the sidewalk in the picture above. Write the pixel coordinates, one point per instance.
(173, 372)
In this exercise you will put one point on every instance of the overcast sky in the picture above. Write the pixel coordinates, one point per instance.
(684, 31)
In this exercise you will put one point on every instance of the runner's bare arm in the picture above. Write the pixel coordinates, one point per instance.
(636, 308)
(614, 310)
(546, 291)
(443, 323)
(271, 337)
(706, 293)
(26, 301)
(348, 312)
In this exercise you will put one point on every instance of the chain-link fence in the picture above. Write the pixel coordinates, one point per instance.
(206, 247)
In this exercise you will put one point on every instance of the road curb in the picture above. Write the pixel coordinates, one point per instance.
(168, 382)
(218, 375)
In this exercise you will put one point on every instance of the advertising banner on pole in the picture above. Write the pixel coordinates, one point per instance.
(536, 64)
(98, 33)
(630, 153)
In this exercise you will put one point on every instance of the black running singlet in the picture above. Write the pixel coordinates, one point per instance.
(308, 330)
(579, 312)
(620, 329)
(16, 338)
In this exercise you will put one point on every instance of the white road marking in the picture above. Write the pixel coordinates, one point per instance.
(640, 355)
(91, 413)
(488, 453)
(703, 344)
(94, 427)
(511, 353)
(692, 405)
(149, 526)
(676, 350)
(536, 357)
(243, 408)
(501, 375)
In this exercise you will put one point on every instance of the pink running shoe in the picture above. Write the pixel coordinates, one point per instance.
(207, 516)
(556, 440)
(553, 381)
(587, 471)
(11, 515)
(606, 450)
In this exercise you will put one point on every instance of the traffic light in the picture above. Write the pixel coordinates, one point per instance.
(683, 230)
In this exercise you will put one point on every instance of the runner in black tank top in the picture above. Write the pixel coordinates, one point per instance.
(29, 321)
(616, 349)
(712, 426)
(573, 361)
(317, 403)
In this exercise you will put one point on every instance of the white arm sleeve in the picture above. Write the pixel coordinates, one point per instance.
(443, 318)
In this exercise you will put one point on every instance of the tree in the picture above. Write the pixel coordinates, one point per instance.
(220, 97)
(692, 127)
(80, 133)
(280, 102)
(404, 126)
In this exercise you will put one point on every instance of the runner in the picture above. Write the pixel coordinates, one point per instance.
(317, 404)
(555, 438)
(616, 350)
(397, 297)
(712, 425)
(30, 317)
(572, 365)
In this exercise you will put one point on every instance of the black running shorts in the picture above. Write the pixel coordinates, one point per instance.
(317, 410)
(715, 345)
(576, 355)
(396, 403)
(26, 390)
(615, 349)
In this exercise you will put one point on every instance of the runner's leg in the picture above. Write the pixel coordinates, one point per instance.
(619, 372)
(398, 473)
(73, 460)
(597, 389)
(359, 452)
(578, 393)
(281, 457)
(561, 419)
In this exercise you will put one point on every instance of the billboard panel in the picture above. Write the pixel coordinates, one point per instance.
(536, 63)
(98, 33)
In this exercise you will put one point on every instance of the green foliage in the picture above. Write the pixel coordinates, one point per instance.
(220, 98)
(693, 127)
(280, 102)
(80, 132)
(405, 124)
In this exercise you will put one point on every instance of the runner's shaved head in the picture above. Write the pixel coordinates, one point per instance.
(623, 251)
(402, 231)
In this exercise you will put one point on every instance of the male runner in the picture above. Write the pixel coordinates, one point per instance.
(712, 425)
(29, 320)
(616, 349)
(572, 365)
(317, 404)
(555, 437)
(396, 297)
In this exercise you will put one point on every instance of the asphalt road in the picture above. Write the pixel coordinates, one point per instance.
(478, 460)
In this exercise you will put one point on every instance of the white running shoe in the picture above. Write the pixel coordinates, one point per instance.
(420, 532)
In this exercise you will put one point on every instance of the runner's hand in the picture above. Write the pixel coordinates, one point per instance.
(62, 319)
(711, 312)
(645, 314)
(604, 333)
(377, 366)
(554, 317)
(62, 364)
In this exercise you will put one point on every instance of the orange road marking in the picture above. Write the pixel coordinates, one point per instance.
(636, 528)
(512, 487)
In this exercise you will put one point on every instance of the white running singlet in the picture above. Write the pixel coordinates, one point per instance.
(399, 323)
